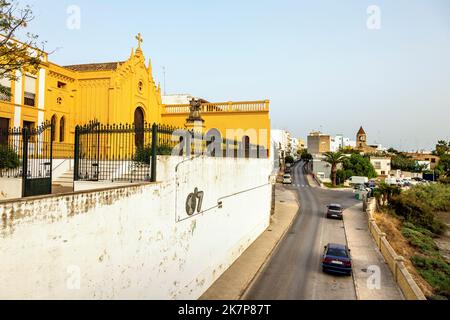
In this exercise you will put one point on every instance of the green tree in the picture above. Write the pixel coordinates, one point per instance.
(405, 163)
(289, 159)
(392, 150)
(442, 148)
(356, 165)
(444, 165)
(305, 156)
(385, 192)
(334, 158)
(16, 55)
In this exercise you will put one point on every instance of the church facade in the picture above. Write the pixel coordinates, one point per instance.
(121, 92)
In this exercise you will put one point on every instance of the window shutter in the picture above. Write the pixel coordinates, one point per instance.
(30, 84)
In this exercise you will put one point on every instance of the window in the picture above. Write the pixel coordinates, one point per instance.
(4, 127)
(61, 85)
(30, 91)
(54, 128)
(337, 252)
(62, 124)
(377, 165)
(433, 160)
(5, 93)
(383, 173)
(59, 100)
(30, 126)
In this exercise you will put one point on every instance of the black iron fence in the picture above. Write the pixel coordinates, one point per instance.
(127, 152)
(11, 150)
(26, 153)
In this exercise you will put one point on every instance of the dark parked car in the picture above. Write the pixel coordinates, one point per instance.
(335, 211)
(337, 259)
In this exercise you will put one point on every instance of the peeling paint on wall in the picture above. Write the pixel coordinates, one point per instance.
(126, 241)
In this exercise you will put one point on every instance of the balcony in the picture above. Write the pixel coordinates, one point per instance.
(228, 107)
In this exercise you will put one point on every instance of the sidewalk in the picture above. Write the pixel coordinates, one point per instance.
(235, 281)
(366, 256)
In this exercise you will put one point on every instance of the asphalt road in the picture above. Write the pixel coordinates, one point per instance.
(294, 271)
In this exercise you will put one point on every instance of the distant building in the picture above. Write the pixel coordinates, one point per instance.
(340, 142)
(361, 143)
(280, 141)
(382, 165)
(301, 144)
(322, 169)
(420, 157)
(319, 143)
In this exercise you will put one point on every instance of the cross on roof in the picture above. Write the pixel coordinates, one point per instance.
(139, 39)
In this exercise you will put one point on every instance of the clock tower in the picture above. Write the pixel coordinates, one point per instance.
(361, 138)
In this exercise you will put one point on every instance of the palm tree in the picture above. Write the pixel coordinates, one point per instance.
(334, 158)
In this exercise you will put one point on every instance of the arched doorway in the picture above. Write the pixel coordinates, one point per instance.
(54, 119)
(139, 127)
(62, 129)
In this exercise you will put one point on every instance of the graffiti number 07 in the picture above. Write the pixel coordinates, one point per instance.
(194, 202)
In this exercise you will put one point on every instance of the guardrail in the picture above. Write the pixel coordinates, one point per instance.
(409, 287)
(246, 106)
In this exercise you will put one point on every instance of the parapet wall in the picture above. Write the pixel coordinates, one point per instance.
(136, 242)
(409, 287)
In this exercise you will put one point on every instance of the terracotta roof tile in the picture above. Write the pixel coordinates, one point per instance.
(109, 66)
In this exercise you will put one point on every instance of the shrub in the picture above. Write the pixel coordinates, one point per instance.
(412, 226)
(144, 154)
(436, 272)
(421, 241)
(8, 158)
(289, 159)
(437, 196)
(413, 210)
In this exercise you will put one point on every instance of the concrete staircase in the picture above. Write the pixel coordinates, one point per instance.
(65, 180)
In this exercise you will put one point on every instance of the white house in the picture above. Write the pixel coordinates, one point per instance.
(382, 165)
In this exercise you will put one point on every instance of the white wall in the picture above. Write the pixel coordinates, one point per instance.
(135, 242)
(10, 188)
(382, 165)
(61, 166)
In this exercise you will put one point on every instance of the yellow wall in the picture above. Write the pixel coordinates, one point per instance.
(251, 117)
(112, 97)
(105, 96)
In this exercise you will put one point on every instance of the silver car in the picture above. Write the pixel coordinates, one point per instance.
(287, 179)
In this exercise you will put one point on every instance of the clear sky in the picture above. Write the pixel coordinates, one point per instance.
(316, 60)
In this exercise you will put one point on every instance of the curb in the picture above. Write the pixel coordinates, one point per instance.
(353, 271)
(269, 256)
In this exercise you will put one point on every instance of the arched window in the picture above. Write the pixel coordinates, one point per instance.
(62, 128)
(246, 142)
(139, 127)
(54, 128)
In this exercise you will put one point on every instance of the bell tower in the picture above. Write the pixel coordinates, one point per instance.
(361, 138)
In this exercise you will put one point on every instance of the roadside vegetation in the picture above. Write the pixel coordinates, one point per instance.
(334, 158)
(410, 218)
(356, 165)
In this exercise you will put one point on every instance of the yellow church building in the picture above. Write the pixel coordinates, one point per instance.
(121, 92)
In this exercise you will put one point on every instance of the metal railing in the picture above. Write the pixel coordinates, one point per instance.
(127, 152)
(11, 149)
